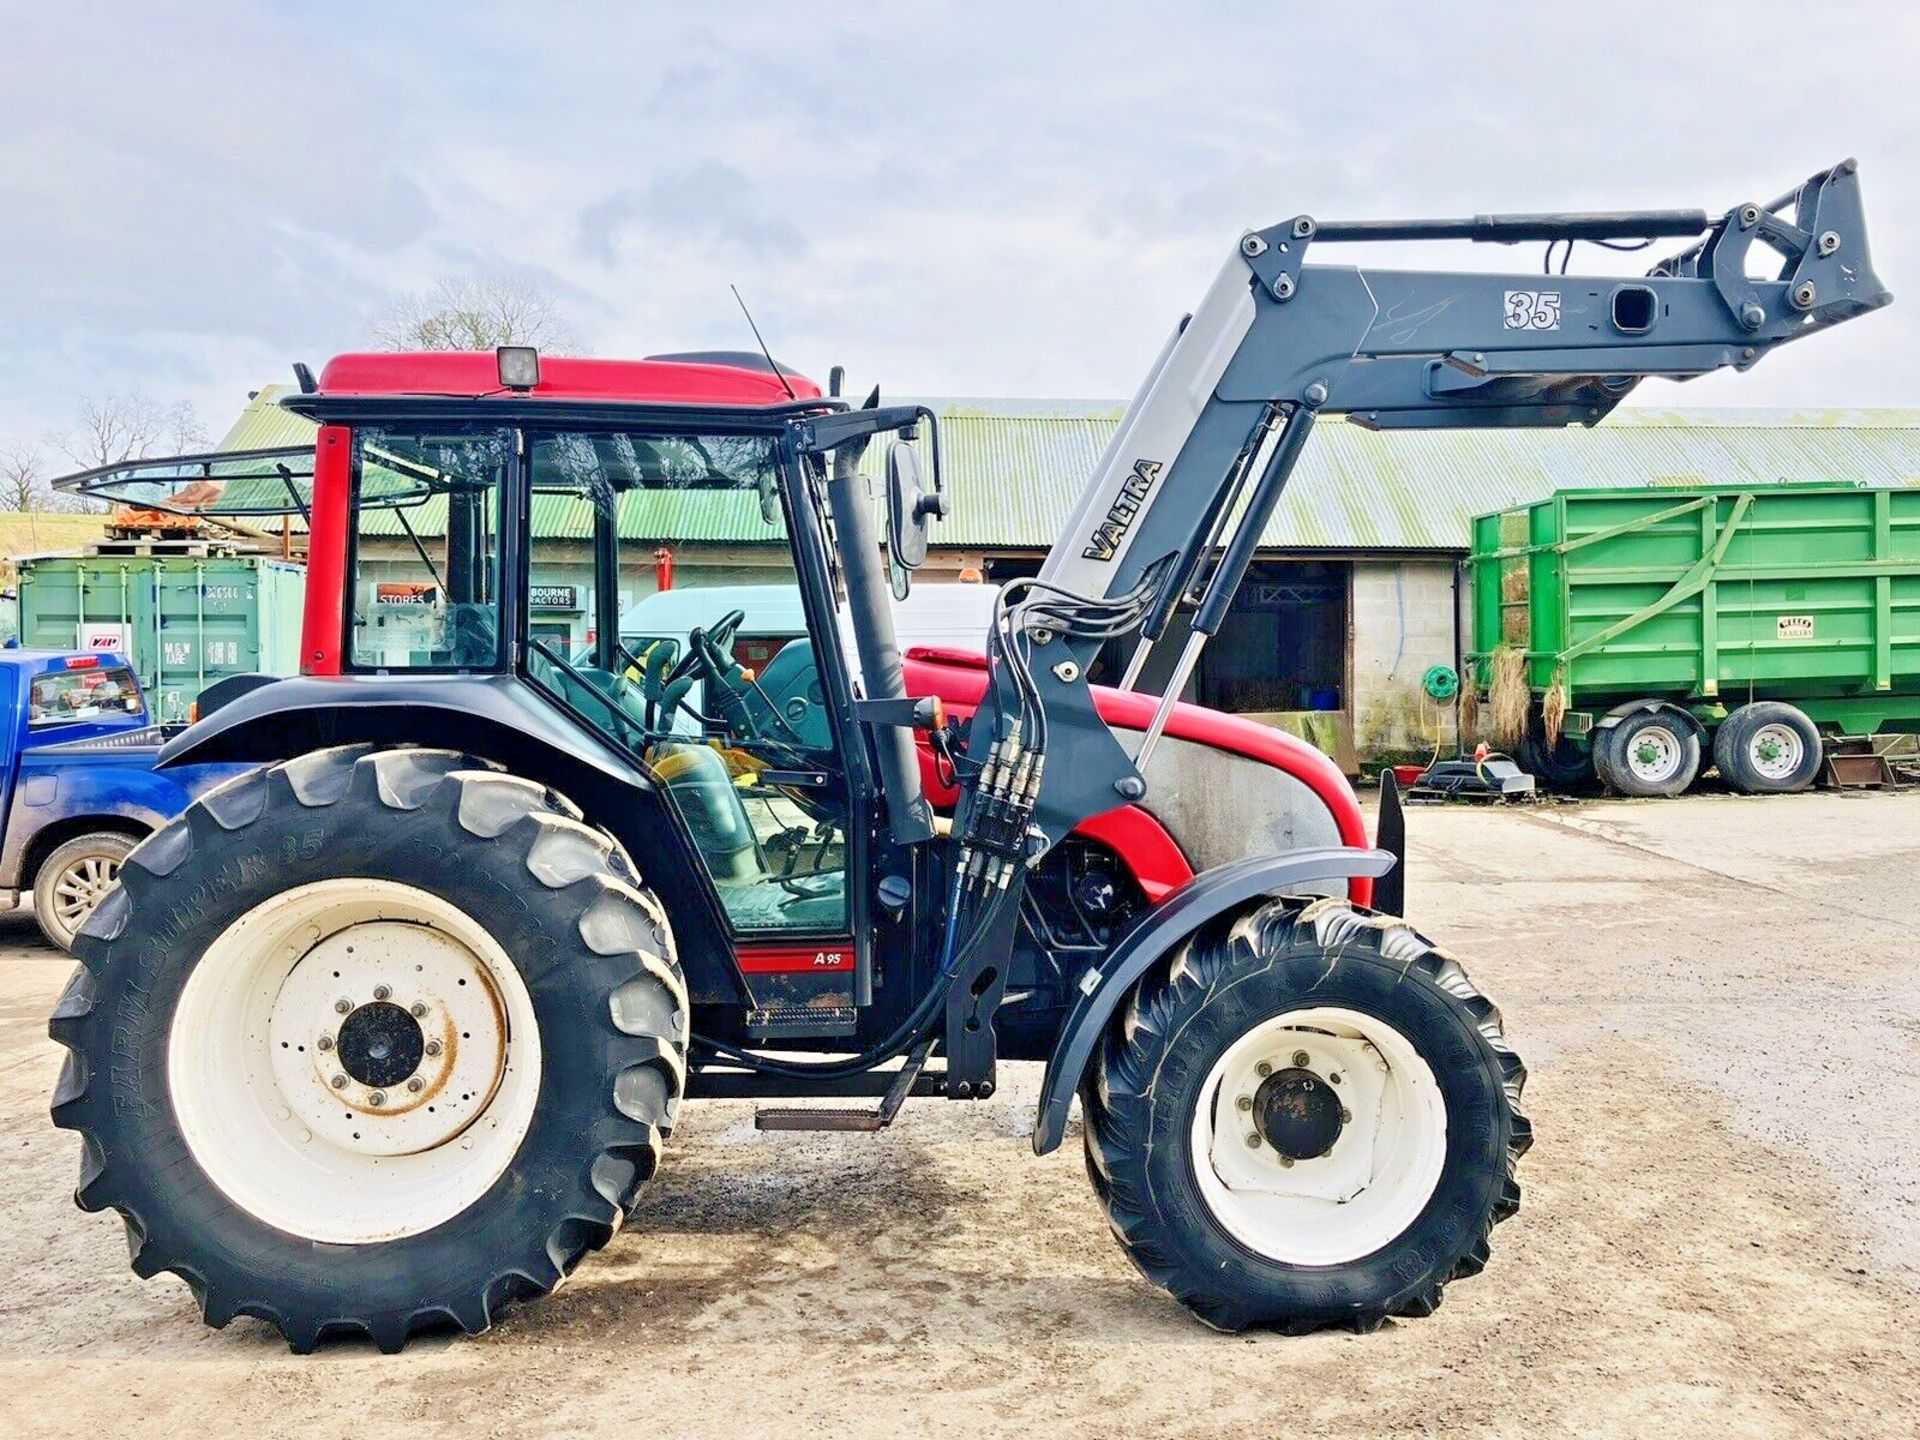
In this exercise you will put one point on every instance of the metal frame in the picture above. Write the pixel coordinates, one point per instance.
(1277, 342)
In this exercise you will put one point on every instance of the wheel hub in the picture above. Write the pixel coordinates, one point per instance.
(388, 1038)
(1320, 1134)
(1298, 1114)
(1654, 753)
(380, 1044)
(82, 886)
(1776, 751)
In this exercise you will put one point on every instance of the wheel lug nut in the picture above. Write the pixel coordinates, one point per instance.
(381, 992)
(1253, 1142)
(1263, 1069)
(339, 1082)
(415, 1084)
(418, 1010)
(433, 1047)
(1334, 1077)
(1286, 1162)
(1301, 1058)
(1245, 1102)
(342, 1006)
(378, 1097)
(325, 1042)
(1346, 1116)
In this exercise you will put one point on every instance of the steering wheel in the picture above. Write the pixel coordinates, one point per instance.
(707, 648)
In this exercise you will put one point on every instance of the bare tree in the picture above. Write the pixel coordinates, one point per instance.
(465, 312)
(128, 425)
(20, 477)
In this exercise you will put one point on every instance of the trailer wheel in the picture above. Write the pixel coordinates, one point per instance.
(1309, 1118)
(371, 1043)
(1564, 765)
(1649, 753)
(1768, 748)
(74, 879)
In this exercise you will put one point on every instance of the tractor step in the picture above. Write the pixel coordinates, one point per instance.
(864, 1121)
(793, 1118)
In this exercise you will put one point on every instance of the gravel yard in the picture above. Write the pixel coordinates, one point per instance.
(1720, 1003)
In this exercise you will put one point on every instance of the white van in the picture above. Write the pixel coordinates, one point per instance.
(954, 616)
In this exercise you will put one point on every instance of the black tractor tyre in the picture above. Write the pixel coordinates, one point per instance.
(590, 947)
(1674, 742)
(1566, 765)
(1144, 1089)
(74, 878)
(1768, 748)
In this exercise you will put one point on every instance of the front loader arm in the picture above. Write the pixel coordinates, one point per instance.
(1176, 505)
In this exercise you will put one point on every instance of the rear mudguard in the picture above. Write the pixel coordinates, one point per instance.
(1210, 894)
(502, 719)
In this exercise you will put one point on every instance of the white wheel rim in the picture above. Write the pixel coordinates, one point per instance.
(1653, 754)
(1775, 751)
(1377, 1176)
(354, 1061)
(81, 886)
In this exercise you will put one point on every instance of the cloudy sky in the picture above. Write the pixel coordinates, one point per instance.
(965, 199)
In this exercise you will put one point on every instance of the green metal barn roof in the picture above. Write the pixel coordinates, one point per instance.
(1015, 468)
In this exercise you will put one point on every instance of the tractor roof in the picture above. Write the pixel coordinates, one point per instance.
(707, 378)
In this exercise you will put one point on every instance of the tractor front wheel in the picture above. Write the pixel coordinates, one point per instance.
(1308, 1118)
(370, 1043)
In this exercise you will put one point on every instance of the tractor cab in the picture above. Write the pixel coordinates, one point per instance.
(472, 519)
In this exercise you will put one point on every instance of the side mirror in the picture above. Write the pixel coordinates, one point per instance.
(909, 506)
(906, 524)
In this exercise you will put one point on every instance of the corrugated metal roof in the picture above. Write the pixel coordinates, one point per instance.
(1015, 476)
(1015, 467)
(263, 425)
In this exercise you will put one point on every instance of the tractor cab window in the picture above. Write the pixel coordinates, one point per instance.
(426, 552)
(666, 612)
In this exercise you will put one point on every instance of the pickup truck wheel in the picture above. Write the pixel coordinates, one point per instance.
(369, 1043)
(1309, 1117)
(74, 879)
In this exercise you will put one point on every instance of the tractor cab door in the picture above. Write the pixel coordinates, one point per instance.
(714, 685)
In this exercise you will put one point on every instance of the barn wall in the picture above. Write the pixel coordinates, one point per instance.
(1403, 621)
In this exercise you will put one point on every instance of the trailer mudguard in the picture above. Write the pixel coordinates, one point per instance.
(1666, 707)
(1210, 894)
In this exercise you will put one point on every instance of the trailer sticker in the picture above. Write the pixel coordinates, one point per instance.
(1533, 309)
(1793, 627)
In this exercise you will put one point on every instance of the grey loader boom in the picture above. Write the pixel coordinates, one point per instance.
(1205, 448)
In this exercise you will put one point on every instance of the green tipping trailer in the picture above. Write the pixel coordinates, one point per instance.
(1641, 635)
(182, 620)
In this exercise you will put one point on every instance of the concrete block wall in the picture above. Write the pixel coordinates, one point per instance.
(1402, 620)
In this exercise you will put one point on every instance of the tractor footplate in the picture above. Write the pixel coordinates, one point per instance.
(795, 1118)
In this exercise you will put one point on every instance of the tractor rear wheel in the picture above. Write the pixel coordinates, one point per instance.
(1309, 1118)
(371, 1043)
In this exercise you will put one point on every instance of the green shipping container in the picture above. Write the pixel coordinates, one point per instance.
(1704, 600)
(184, 621)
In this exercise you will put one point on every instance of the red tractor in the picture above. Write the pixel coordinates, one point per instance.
(395, 1028)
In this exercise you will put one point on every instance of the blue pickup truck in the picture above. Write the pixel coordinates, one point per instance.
(77, 785)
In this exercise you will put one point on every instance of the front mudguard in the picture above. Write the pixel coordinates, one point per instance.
(1209, 895)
